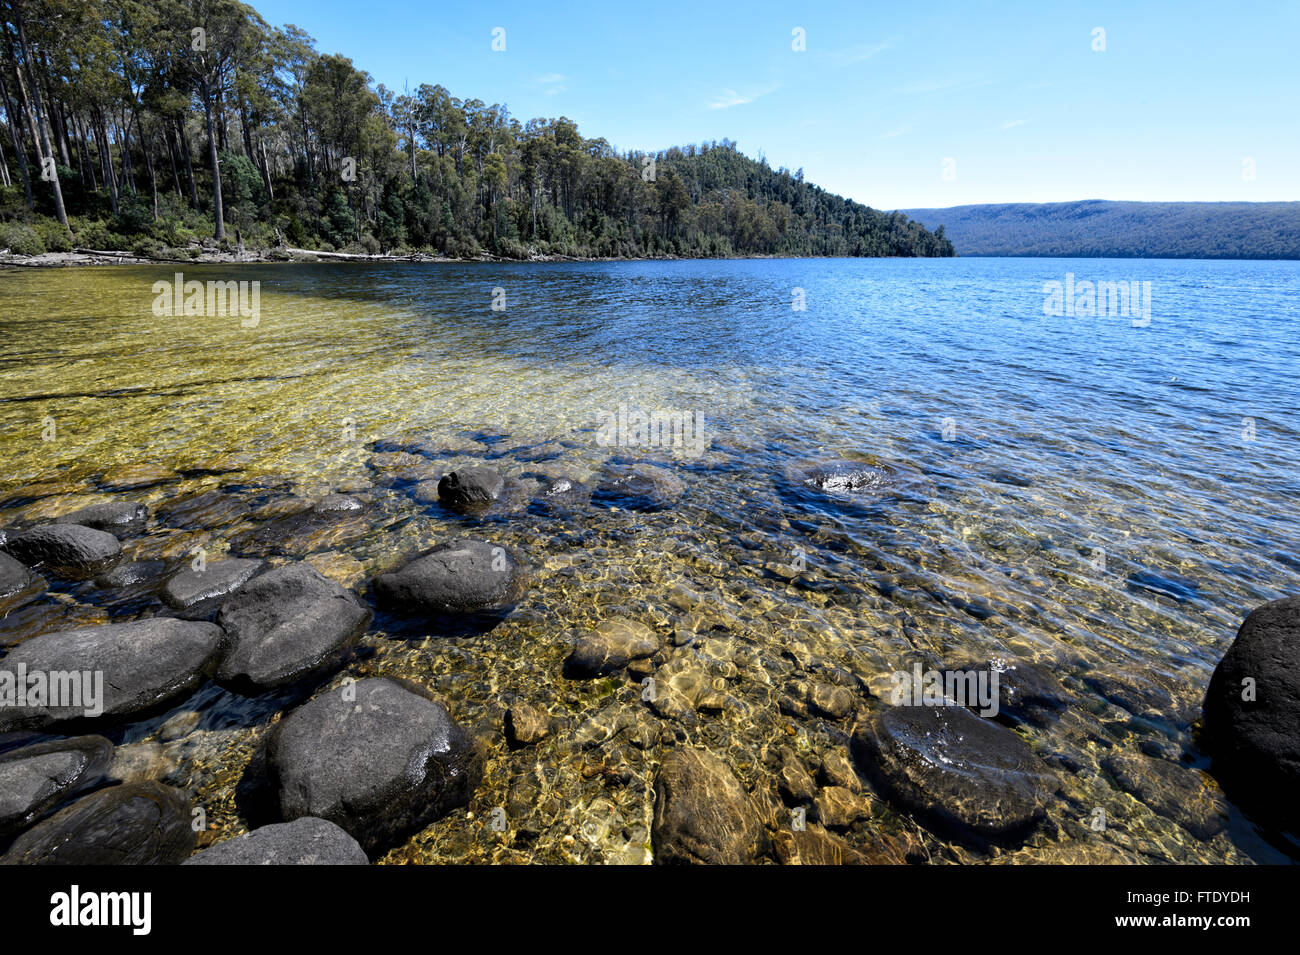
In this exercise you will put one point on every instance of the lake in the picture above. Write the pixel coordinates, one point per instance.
(1103, 496)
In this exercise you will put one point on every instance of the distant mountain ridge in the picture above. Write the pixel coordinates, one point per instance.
(1099, 227)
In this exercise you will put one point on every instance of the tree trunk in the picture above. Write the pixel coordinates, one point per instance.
(15, 134)
(40, 137)
(189, 163)
(217, 209)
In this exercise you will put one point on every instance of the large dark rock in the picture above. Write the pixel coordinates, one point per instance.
(287, 625)
(640, 487)
(188, 586)
(702, 813)
(132, 824)
(459, 577)
(34, 779)
(144, 665)
(305, 841)
(17, 583)
(66, 550)
(470, 488)
(375, 757)
(1252, 714)
(965, 776)
(614, 644)
(117, 517)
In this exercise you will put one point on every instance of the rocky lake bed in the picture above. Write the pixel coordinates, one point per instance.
(308, 698)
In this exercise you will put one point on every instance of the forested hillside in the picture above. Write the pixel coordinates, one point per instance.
(1169, 230)
(144, 124)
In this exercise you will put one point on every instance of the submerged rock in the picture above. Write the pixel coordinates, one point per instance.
(210, 509)
(459, 577)
(66, 550)
(813, 845)
(289, 624)
(143, 664)
(375, 758)
(470, 488)
(860, 483)
(1027, 692)
(964, 775)
(563, 493)
(640, 487)
(301, 533)
(305, 841)
(132, 824)
(1176, 792)
(118, 517)
(1174, 586)
(1252, 714)
(614, 644)
(34, 779)
(130, 477)
(702, 813)
(526, 725)
(217, 579)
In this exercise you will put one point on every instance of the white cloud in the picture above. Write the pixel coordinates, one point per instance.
(729, 97)
(1013, 123)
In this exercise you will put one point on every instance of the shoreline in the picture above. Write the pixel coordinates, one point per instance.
(291, 256)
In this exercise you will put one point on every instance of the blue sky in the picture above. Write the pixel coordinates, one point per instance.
(1188, 100)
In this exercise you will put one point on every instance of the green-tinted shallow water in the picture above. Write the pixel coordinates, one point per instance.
(1103, 499)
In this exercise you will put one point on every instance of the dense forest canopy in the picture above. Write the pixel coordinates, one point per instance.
(1095, 227)
(144, 124)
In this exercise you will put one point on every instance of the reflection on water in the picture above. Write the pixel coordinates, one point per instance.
(1103, 499)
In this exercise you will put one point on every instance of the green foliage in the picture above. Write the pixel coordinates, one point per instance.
(55, 237)
(20, 239)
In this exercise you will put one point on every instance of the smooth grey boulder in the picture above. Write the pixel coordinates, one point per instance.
(188, 586)
(286, 625)
(133, 668)
(375, 757)
(131, 824)
(459, 577)
(702, 813)
(614, 644)
(1252, 714)
(305, 841)
(470, 487)
(66, 550)
(34, 779)
(117, 517)
(965, 776)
